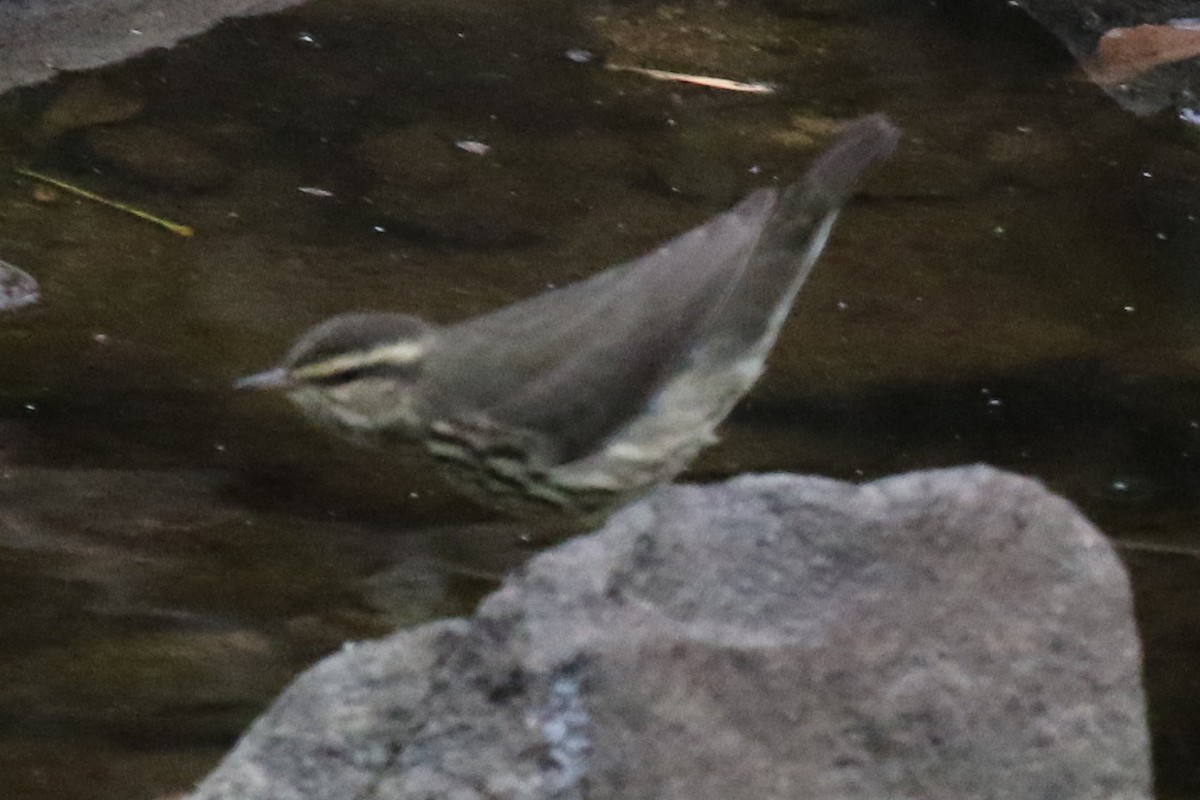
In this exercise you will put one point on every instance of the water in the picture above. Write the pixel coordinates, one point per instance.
(1018, 286)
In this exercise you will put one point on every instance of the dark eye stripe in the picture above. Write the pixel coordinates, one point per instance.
(377, 370)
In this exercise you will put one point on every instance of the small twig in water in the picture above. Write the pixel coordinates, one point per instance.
(697, 80)
(173, 227)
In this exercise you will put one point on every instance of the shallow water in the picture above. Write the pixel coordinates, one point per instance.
(1018, 286)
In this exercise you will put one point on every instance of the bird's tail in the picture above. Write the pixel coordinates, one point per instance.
(750, 314)
(833, 177)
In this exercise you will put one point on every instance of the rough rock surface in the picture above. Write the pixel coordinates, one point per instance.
(1079, 24)
(950, 634)
(39, 38)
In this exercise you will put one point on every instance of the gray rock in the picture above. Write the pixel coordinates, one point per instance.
(950, 634)
(17, 288)
(158, 156)
(90, 100)
(38, 38)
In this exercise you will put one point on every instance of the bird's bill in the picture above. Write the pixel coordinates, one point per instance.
(271, 380)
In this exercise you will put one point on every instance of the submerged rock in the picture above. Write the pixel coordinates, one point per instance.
(88, 101)
(159, 157)
(429, 187)
(950, 634)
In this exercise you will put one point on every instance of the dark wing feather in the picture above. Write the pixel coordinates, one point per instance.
(570, 366)
(575, 362)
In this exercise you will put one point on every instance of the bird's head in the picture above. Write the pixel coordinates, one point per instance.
(357, 372)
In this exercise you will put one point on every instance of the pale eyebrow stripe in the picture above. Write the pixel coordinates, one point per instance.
(400, 354)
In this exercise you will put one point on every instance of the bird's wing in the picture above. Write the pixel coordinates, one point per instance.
(571, 366)
(574, 363)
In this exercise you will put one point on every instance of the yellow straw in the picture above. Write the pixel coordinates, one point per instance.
(173, 227)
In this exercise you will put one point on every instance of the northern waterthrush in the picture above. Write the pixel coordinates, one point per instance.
(584, 397)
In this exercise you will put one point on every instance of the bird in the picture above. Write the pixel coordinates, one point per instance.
(583, 398)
